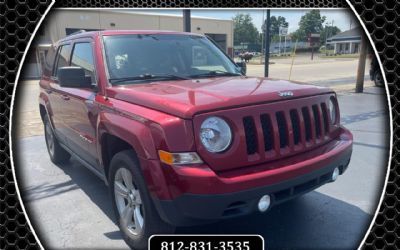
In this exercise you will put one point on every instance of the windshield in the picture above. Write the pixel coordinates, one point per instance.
(139, 58)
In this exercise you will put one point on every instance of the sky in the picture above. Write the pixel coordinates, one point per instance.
(342, 18)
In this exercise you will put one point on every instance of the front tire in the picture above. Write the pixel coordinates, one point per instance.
(136, 215)
(56, 152)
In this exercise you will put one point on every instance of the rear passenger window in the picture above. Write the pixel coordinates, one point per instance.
(62, 59)
(82, 56)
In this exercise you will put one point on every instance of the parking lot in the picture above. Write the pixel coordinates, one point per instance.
(71, 208)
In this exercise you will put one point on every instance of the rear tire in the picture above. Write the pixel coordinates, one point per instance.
(57, 153)
(135, 213)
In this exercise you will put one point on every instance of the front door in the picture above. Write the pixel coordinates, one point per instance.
(57, 95)
(79, 112)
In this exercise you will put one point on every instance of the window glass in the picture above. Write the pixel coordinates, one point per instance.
(164, 54)
(82, 56)
(63, 56)
(49, 61)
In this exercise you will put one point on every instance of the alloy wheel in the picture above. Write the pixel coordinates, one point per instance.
(129, 202)
(49, 139)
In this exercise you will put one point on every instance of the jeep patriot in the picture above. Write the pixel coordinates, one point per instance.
(180, 134)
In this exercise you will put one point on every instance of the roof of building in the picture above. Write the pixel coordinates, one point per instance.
(347, 35)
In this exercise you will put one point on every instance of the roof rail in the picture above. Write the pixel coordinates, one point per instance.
(77, 32)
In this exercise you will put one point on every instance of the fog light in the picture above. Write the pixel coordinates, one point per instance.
(264, 203)
(335, 174)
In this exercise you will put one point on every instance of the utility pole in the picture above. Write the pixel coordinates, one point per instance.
(267, 41)
(262, 37)
(361, 66)
(186, 20)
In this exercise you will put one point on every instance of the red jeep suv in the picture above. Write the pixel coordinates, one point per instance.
(178, 132)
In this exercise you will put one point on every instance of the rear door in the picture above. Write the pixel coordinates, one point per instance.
(79, 111)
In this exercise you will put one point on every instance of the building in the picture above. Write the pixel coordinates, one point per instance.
(347, 42)
(63, 22)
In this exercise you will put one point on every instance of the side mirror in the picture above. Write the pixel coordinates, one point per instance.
(73, 77)
(242, 66)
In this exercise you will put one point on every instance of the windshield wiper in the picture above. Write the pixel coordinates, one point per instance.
(216, 73)
(147, 77)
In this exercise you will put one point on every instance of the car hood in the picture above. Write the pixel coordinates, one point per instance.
(185, 98)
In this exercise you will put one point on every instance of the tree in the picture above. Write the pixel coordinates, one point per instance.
(244, 30)
(311, 22)
(328, 32)
(277, 22)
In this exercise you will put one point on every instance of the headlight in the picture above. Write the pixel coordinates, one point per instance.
(215, 134)
(332, 109)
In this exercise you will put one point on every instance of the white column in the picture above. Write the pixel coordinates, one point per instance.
(335, 49)
(351, 48)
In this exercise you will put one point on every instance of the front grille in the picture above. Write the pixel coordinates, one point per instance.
(317, 121)
(294, 118)
(267, 132)
(282, 127)
(307, 123)
(287, 130)
(250, 132)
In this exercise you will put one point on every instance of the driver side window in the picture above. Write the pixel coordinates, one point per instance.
(82, 56)
(64, 52)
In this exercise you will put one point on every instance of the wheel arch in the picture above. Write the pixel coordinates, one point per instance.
(117, 133)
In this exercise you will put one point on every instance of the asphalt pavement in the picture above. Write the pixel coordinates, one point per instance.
(71, 208)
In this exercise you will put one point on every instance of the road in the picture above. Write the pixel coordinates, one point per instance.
(323, 72)
(70, 207)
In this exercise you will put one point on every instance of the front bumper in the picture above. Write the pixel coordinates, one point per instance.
(199, 195)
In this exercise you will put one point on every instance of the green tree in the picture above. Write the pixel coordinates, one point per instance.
(311, 22)
(244, 30)
(329, 31)
(277, 22)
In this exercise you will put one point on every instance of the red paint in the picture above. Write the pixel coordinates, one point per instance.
(167, 116)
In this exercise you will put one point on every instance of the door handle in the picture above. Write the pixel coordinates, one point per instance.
(65, 97)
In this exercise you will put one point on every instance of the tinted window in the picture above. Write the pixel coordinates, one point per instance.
(82, 56)
(63, 56)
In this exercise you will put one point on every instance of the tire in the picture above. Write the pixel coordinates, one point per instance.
(57, 153)
(141, 219)
(378, 79)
